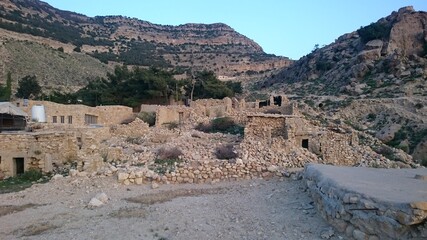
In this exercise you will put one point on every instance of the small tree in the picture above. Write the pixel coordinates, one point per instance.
(28, 86)
(6, 92)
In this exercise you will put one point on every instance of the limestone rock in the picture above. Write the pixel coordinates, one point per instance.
(57, 177)
(122, 176)
(102, 197)
(154, 185)
(73, 173)
(327, 233)
(95, 202)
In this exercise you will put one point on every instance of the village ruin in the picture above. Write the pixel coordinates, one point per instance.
(110, 141)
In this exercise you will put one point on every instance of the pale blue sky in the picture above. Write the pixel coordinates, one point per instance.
(288, 28)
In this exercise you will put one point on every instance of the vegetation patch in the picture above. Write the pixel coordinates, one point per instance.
(221, 125)
(166, 159)
(378, 30)
(148, 117)
(225, 152)
(21, 182)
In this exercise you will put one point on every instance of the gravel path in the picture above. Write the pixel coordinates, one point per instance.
(255, 209)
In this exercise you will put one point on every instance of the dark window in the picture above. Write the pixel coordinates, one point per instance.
(54, 119)
(62, 119)
(19, 165)
(278, 101)
(304, 143)
(70, 119)
(91, 119)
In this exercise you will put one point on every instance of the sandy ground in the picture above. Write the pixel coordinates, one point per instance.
(255, 209)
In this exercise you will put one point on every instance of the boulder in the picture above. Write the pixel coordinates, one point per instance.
(94, 203)
(122, 176)
(57, 177)
(102, 197)
(374, 44)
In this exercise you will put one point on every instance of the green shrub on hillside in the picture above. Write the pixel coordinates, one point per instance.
(378, 30)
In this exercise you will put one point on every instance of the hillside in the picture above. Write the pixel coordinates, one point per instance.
(111, 39)
(384, 59)
(373, 79)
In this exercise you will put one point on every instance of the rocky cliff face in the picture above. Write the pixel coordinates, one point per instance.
(384, 59)
(111, 39)
(374, 79)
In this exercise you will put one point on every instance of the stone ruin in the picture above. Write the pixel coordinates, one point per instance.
(276, 137)
(109, 140)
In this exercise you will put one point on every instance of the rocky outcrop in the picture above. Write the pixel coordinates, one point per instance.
(387, 57)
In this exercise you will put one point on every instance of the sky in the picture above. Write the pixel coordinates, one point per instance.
(289, 28)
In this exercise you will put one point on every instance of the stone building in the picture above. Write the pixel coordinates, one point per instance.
(12, 118)
(76, 115)
(70, 133)
(285, 132)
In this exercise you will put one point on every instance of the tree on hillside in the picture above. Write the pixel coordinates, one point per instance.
(207, 85)
(6, 92)
(28, 86)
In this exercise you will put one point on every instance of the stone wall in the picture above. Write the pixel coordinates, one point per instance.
(61, 114)
(202, 172)
(39, 150)
(46, 150)
(371, 203)
(171, 114)
(213, 107)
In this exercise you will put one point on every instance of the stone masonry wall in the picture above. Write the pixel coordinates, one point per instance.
(107, 115)
(39, 150)
(364, 216)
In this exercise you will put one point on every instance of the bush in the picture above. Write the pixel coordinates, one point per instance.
(168, 154)
(171, 125)
(226, 125)
(204, 127)
(31, 175)
(148, 117)
(166, 159)
(419, 105)
(225, 152)
(371, 116)
(135, 140)
(378, 30)
(386, 152)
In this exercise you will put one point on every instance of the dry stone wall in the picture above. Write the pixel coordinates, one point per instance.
(365, 212)
(38, 150)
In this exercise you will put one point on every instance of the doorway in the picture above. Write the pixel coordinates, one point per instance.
(304, 143)
(19, 165)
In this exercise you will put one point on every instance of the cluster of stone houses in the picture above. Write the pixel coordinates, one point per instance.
(68, 132)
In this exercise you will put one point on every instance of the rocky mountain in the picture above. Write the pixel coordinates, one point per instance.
(383, 59)
(117, 39)
(373, 79)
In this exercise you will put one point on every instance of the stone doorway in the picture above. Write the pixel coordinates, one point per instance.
(19, 166)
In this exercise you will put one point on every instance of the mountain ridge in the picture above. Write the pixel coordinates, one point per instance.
(116, 39)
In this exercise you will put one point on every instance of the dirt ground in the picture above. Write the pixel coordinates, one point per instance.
(255, 209)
